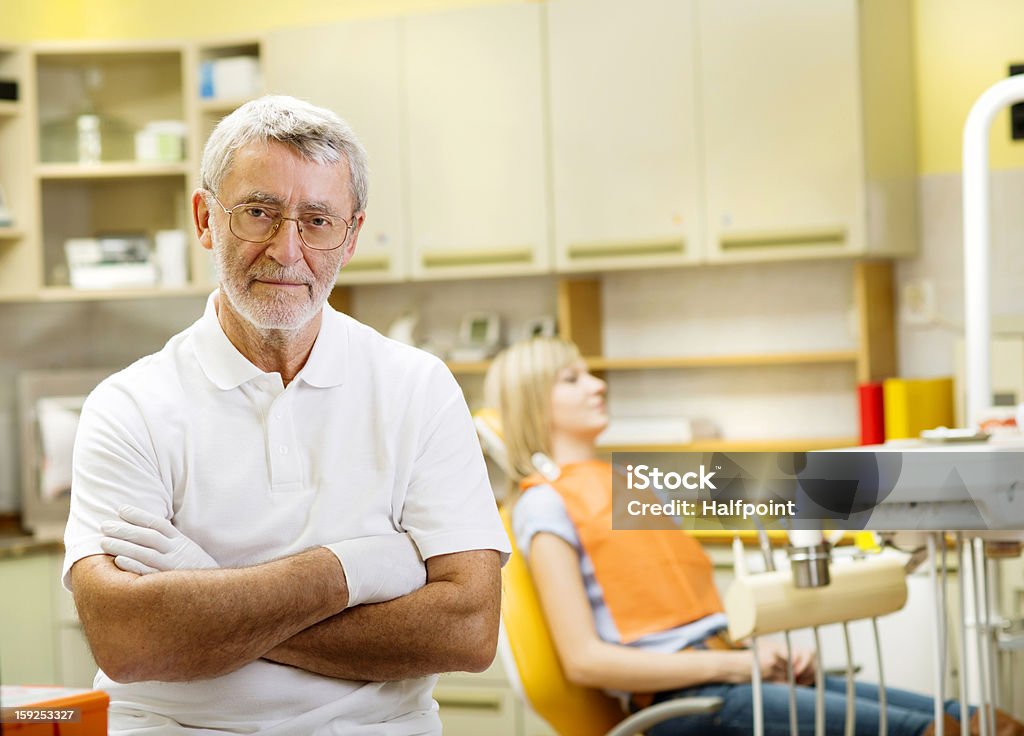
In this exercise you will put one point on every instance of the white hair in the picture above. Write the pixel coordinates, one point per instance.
(317, 134)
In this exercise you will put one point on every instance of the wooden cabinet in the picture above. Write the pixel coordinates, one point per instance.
(509, 139)
(27, 621)
(485, 703)
(330, 66)
(41, 638)
(478, 201)
(807, 122)
(624, 138)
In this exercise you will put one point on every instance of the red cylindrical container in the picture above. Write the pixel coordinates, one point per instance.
(872, 414)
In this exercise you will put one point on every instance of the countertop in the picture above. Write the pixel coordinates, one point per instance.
(21, 545)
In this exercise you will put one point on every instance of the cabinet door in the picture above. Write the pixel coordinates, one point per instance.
(779, 87)
(624, 144)
(353, 69)
(477, 184)
(26, 621)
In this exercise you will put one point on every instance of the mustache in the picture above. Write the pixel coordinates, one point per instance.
(270, 273)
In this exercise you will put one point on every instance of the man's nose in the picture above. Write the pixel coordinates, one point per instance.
(285, 246)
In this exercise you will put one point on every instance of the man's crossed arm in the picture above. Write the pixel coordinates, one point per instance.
(189, 624)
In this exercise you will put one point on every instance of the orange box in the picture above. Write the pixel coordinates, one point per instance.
(91, 704)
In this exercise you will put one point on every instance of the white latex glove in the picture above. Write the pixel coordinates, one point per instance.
(143, 543)
(380, 568)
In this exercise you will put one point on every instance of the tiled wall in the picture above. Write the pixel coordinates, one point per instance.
(928, 350)
(74, 335)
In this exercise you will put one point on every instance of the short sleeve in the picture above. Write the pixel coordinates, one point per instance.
(113, 464)
(449, 505)
(541, 509)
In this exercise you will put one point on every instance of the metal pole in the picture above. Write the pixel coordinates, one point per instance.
(883, 697)
(851, 692)
(755, 686)
(939, 644)
(982, 638)
(794, 728)
(977, 316)
(992, 619)
(819, 688)
(978, 642)
(961, 552)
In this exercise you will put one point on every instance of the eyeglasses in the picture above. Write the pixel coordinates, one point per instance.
(256, 222)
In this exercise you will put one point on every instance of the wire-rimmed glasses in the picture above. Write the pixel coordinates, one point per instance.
(258, 222)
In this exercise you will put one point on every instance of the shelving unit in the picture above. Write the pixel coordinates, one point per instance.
(113, 170)
(110, 192)
(209, 110)
(67, 294)
(690, 361)
(203, 115)
(19, 275)
(580, 314)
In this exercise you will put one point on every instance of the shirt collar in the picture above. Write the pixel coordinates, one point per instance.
(328, 360)
(227, 368)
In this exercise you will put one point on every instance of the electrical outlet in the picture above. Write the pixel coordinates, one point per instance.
(917, 302)
(1017, 111)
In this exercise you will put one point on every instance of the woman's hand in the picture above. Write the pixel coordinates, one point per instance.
(772, 657)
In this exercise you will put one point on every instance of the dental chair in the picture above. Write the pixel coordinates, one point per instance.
(537, 678)
(529, 655)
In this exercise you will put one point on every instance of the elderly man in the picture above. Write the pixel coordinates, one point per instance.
(281, 522)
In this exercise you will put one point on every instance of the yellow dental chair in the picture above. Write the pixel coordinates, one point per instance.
(531, 662)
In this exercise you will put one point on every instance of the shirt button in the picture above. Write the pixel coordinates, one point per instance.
(279, 415)
(283, 449)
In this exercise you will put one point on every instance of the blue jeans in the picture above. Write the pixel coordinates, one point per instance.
(909, 713)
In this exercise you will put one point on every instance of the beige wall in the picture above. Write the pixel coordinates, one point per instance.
(31, 20)
(963, 47)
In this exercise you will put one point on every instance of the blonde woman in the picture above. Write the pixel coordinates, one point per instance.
(652, 630)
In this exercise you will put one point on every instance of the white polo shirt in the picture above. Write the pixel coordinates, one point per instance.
(371, 437)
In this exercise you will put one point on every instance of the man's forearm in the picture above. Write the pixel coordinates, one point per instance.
(448, 625)
(188, 625)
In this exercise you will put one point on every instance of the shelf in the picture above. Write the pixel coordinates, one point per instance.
(10, 107)
(113, 170)
(11, 233)
(469, 367)
(67, 294)
(221, 107)
(840, 357)
(722, 361)
(794, 444)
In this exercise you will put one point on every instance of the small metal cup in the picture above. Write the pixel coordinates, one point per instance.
(810, 565)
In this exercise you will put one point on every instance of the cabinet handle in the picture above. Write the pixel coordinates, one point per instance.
(835, 236)
(368, 263)
(489, 256)
(625, 248)
(470, 701)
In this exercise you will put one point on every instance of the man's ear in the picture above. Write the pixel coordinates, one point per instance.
(350, 247)
(201, 217)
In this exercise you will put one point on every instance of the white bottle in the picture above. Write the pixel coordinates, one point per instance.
(89, 144)
(171, 254)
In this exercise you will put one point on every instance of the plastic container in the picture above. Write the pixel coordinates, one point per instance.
(90, 704)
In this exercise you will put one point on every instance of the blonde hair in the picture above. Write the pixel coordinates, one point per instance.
(519, 384)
